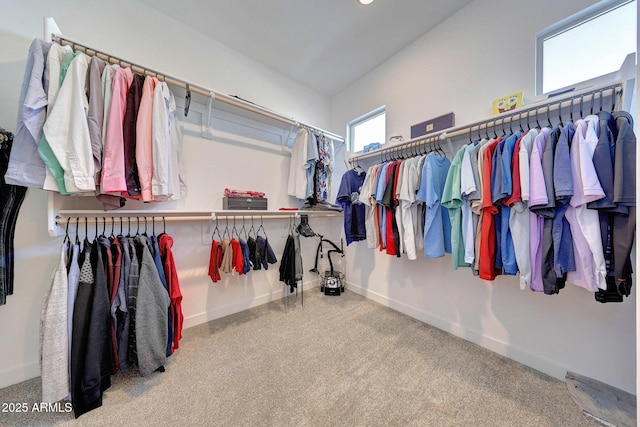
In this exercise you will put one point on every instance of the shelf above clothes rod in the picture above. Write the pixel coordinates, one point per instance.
(227, 99)
(585, 97)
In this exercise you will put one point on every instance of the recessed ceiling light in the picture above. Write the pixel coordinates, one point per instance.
(365, 1)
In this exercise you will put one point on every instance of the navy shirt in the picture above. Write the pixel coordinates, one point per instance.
(354, 213)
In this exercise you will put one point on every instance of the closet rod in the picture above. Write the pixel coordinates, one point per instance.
(502, 120)
(90, 216)
(227, 99)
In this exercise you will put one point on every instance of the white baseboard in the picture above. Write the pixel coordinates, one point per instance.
(520, 355)
(19, 374)
(236, 307)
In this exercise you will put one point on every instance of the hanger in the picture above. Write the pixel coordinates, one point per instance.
(164, 225)
(234, 230)
(593, 97)
(129, 230)
(261, 228)
(138, 226)
(571, 110)
(537, 123)
(66, 231)
(470, 130)
(77, 241)
(145, 227)
(243, 229)
(113, 221)
(560, 113)
(252, 229)
(581, 100)
(614, 94)
(226, 229)
(601, 93)
(86, 230)
(187, 101)
(153, 225)
(120, 235)
(549, 117)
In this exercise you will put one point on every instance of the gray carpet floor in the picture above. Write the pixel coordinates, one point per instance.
(337, 361)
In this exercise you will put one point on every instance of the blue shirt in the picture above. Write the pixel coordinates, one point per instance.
(353, 210)
(437, 226)
(508, 253)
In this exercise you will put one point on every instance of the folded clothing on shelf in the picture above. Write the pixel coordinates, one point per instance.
(228, 192)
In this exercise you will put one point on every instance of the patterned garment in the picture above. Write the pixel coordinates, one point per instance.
(324, 168)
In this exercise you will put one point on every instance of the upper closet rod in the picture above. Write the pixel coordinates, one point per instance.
(236, 102)
(500, 121)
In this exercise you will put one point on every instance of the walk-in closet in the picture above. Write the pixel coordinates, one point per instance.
(286, 213)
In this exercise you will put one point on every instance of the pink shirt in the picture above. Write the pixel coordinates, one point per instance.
(113, 180)
(144, 145)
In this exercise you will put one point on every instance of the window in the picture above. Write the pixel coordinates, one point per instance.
(367, 129)
(587, 45)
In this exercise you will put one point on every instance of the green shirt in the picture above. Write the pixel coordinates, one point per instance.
(452, 199)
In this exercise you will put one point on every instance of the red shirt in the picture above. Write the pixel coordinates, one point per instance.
(391, 241)
(238, 256)
(488, 232)
(215, 261)
(165, 242)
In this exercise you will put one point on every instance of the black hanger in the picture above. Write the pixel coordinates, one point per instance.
(153, 225)
(261, 228)
(145, 227)
(243, 229)
(113, 223)
(137, 226)
(593, 97)
(77, 236)
(614, 94)
(537, 122)
(86, 229)
(66, 231)
(601, 95)
(187, 101)
(129, 225)
(571, 110)
(96, 227)
(164, 225)
(252, 229)
(560, 114)
(120, 235)
(549, 117)
(216, 231)
(581, 100)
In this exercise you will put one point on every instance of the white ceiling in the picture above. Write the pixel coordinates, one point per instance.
(324, 44)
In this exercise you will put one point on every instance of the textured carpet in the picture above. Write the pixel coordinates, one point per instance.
(337, 361)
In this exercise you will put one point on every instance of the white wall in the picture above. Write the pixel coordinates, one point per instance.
(484, 51)
(135, 32)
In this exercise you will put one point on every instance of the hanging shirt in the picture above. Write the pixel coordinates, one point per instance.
(437, 226)
(67, 130)
(624, 193)
(238, 256)
(538, 198)
(55, 57)
(300, 164)
(163, 104)
(353, 210)
(509, 264)
(408, 205)
(381, 185)
(452, 200)
(487, 248)
(113, 179)
(586, 189)
(165, 243)
(215, 261)
(134, 97)
(26, 168)
(144, 135)
(369, 213)
(227, 257)
(563, 256)
(324, 168)
(468, 192)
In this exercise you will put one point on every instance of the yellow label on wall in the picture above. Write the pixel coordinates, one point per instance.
(507, 103)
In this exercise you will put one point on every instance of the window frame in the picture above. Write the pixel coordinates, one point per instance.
(566, 24)
(362, 119)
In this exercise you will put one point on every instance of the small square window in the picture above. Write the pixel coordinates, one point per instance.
(367, 129)
(590, 44)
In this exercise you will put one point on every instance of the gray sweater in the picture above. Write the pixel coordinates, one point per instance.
(151, 314)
